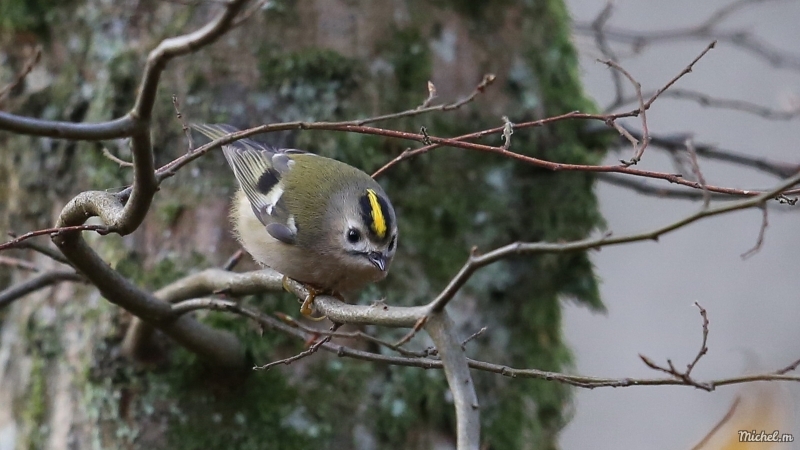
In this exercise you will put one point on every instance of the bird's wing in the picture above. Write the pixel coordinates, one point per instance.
(259, 170)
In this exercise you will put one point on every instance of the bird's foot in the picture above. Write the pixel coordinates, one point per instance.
(307, 303)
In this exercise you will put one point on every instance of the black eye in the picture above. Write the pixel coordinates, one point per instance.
(353, 235)
(392, 243)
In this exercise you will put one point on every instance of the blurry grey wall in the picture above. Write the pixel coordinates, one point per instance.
(649, 288)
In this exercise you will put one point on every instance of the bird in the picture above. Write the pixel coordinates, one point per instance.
(316, 220)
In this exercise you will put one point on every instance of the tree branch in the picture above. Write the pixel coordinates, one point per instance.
(475, 261)
(441, 329)
(44, 280)
(430, 363)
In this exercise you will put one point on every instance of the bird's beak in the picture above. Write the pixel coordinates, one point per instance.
(378, 259)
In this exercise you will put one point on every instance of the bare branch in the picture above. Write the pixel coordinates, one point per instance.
(51, 253)
(676, 143)
(644, 188)
(311, 350)
(697, 173)
(474, 335)
(761, 232)
(602, 44)
(18, 263)
(113, 129)
(721, 103)
(705, 30)
(704, 345)
(686, 376)
(360, 335)
(683, 72)
(26, 69)
(233, 260)
(186, 130)
(376, 314)
(642, 111)
(429, 363)
(121, 162)
(207, 282)
(456, 369)
(178, 46)
(414, 330)
(44, 280)
(487, 80)
(475, 261)
(17, 242)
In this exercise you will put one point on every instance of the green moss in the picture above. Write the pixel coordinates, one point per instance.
(28, 15)
(43, 334)
(409, 54)
(316, 68)
(35, 409)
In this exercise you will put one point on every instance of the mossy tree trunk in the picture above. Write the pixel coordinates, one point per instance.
(62, 381)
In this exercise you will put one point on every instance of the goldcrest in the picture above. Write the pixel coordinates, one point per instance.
(316, 220)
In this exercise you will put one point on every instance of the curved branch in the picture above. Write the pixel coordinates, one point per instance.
(177, 46)
(209, 281)
(216, 346)
(44, 280)
(113, 129)
(375, 314)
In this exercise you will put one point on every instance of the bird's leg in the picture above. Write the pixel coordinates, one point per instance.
(305, 308)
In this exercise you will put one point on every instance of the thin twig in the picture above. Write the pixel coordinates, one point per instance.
(311, 350)
(233, 260)
(100, 229)
(761, 233)
(186, 130)
(414, 330)
(51, 253)
(475, 261)
(644, 188)
(121, 162)
(686, 376)
(720, 103)
(697, 172)
(26, 69)
(18, 263)
(637, 156)
(473, 336)
(677, 77)
(582, 381)
(790, 368)
(677, 142)
(431, 95)
(704, 345)
(44, 280)
(353, 335)
(602, 44)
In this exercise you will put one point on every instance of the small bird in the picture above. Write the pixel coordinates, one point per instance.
(315, 220)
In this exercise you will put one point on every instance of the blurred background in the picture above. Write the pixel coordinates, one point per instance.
(649, 288)
(64, 383)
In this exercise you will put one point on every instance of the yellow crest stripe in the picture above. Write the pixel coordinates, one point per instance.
(378, 221)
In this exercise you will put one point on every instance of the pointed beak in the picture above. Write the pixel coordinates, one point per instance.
(378, 259)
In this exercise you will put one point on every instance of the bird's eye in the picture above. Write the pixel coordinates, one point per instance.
(392, 243)
(353, 235)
